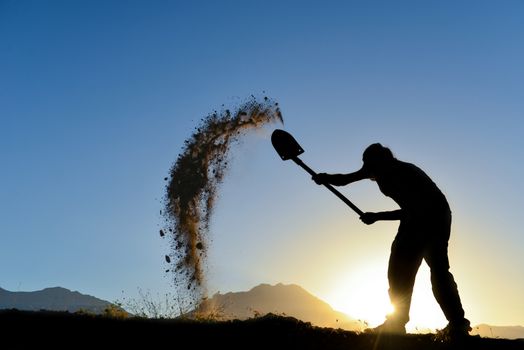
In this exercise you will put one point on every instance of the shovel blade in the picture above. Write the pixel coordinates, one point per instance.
(285, 144)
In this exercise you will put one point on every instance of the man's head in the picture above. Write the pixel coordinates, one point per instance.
(376, 158)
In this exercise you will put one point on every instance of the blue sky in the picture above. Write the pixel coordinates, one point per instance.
(97, 97)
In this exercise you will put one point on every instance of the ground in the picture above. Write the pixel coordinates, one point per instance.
(21, 330)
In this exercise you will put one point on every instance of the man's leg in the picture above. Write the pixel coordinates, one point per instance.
(404, 262)
(443, 284)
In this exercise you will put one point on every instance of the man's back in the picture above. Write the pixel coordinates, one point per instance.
(411, 188)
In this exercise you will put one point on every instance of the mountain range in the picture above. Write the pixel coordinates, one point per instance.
(55, 299)
(289, 300)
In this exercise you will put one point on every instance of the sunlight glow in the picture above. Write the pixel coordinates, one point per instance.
(363, 294)
(425, 314)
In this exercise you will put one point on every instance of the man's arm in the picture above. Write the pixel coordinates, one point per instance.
(390, 215)
(370, 218)
(340, 179)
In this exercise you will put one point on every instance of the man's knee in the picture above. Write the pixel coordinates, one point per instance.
(442, 277)
(437, 258)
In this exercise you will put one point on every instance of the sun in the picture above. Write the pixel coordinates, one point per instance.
(363, 294)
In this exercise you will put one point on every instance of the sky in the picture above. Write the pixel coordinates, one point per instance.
(97, 98)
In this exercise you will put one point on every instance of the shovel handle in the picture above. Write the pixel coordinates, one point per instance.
(329, 187)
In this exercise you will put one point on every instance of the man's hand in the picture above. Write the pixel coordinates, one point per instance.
(321, 178)
(369, 218)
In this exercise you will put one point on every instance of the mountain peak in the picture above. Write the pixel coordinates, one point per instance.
(278, 286)
(56, 289)
(288, 299)
(54, 299)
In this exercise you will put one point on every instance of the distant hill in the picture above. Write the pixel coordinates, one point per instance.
(290, 300)
(506, 332)
(54, 299)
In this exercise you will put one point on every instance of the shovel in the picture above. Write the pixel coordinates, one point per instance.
(288, 148)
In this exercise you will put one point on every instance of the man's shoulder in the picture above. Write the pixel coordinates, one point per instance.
(406, 169)
(405, 166)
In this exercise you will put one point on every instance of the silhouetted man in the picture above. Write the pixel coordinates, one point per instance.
(423, 233)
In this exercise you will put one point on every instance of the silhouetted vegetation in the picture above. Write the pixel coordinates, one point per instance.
(22, 329)
(147, 306)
